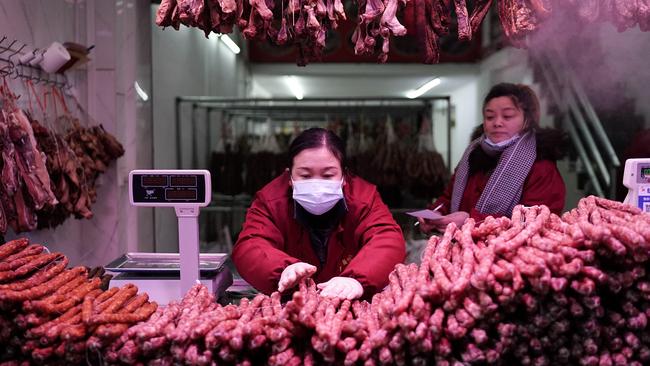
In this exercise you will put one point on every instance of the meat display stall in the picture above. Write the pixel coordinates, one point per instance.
(531, 289)
(535, 288)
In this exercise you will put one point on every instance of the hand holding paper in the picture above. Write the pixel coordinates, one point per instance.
(430, 220)
(426, 214)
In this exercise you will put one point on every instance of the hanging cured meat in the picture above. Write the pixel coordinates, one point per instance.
(48, 176)
(306, 23)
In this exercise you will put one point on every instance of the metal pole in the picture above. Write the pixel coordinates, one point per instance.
(612, 187)
(451, 169)
(178, 133)
(195, 158)
(188, 246)
(573, 133)
(593, 119)
(574, 100)
(583, 155)
(208, 134)
(591, 144)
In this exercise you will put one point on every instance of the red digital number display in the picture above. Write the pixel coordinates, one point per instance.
(181, 181)
(181, 194)
(154, 181)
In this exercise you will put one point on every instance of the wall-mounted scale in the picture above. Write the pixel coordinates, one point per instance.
(168, 276)
(636, 178)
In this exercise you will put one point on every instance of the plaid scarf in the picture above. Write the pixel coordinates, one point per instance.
(504, 188)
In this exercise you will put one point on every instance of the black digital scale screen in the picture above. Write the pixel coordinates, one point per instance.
(644, 174)
(168, 188)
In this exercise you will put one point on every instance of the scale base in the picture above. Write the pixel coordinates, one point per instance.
(164, 289)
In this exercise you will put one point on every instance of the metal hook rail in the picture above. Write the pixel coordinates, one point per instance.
(10, 68)
(309, 109)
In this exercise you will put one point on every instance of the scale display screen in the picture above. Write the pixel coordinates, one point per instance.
(170, 187)
(183, 181)
(644, 174)
(154, 181)
(181, 194)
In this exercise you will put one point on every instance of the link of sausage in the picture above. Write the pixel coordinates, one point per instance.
(76, 296)
(32, 249)
(52, 270)
(39, 261)
(142, 313)
(57, 297)
(120, 298)
(12, 247)
(42, 289)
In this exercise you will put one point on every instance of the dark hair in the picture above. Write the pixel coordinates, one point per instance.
(318, 137)
(524, 98)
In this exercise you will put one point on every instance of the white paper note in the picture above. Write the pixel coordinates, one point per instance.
(426, 214)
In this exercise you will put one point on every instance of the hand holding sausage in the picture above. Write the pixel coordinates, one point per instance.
(293, 274)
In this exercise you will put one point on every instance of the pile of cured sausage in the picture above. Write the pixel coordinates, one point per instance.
(51, 314)
(535, 289)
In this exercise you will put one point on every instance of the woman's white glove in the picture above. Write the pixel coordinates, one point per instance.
(341, 287)
(293, 274)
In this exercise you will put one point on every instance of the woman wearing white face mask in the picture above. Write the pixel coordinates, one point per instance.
(318, 220)
(512, 161)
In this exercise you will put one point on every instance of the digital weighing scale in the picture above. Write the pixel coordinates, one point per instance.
(168, 276)
(636, 178)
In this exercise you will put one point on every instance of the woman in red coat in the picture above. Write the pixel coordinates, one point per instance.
(510, 161)
(318, 220)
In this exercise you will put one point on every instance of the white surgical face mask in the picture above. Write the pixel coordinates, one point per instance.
(502, 143)
(317, 196)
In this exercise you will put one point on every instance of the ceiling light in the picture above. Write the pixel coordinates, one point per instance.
(295, 87)
(412, 94)
(141, 93)
(230, 43)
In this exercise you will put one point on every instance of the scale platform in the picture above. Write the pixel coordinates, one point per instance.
(158, 274)
(164, 287)
(165, 263)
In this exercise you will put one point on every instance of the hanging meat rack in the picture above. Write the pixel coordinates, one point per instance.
(10, 49)
(293, 110)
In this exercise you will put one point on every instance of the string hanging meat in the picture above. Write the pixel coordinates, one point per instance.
(47, 176)
(306, 23)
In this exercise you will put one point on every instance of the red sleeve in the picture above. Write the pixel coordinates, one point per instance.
(544, 186)
(258, 253)
(382, 248)
(445, 199)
